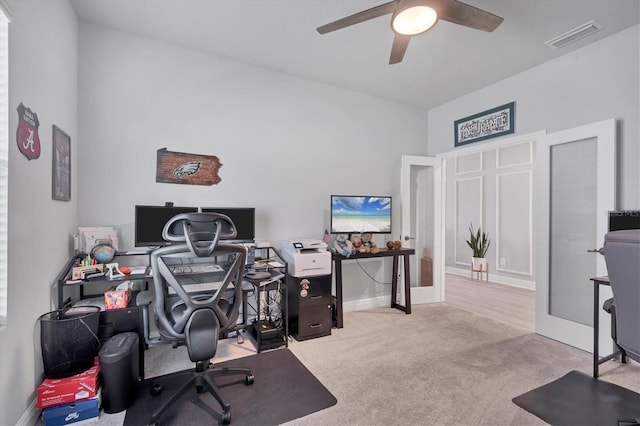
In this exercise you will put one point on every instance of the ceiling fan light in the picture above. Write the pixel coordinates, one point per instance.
(413, 20)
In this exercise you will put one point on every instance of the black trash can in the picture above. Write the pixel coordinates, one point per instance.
(69, 340)
(119, 371)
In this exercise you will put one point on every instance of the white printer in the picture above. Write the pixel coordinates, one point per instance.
(306, 258)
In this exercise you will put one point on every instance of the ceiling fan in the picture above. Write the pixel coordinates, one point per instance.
(412, 17)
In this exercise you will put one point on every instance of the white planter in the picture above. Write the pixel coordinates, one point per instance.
(479, 263)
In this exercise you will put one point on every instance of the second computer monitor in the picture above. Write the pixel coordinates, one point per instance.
(243, 217)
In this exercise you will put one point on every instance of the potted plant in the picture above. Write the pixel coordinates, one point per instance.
(479, 243)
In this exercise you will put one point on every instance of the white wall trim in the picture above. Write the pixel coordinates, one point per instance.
(455, 215)
(501, 166)
(360, 304)
(29, 417)
(479, 168)
(493, 145)
(529, 271)
(498, 279)
(6, 7)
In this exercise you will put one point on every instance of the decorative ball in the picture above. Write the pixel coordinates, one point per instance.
(103, 253)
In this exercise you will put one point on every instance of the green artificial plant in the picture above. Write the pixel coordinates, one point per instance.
(478, 241)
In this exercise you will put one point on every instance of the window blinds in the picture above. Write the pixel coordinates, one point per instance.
(4, 154)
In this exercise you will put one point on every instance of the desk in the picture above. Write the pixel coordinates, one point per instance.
(404, 252)
(597, 282)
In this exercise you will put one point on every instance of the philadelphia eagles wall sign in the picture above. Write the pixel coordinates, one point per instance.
(187, 169)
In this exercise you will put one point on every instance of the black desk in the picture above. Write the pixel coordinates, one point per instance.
(404, 252)
(597, 281)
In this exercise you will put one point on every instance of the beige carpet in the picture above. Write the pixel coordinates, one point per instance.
(438, 366)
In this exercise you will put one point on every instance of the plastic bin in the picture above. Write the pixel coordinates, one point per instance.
(69, 340)
(119, 371)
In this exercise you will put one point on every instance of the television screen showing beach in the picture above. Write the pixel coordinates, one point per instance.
(360, 214)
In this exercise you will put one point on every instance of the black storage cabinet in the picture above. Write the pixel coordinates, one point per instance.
(119, 371)
(309, 306)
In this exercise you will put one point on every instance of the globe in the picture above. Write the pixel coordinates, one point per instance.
(103, 253)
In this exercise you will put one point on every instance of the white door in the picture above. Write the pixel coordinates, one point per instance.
(575, 186)
(421, 188)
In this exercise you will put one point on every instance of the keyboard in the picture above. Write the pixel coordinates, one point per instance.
(195, 268)
(198, 288)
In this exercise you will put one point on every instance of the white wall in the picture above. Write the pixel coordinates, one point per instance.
(286, 144)
(597, 82)
(42, 75)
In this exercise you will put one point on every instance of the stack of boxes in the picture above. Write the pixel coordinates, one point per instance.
(70, 399)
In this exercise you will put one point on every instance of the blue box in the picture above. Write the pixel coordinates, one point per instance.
(77, 411)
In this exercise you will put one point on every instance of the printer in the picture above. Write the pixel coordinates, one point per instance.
(306, 258)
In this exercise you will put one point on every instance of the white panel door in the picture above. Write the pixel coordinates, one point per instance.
(575, 187)
(421, 189)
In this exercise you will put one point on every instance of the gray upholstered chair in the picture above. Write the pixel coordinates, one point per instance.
(199, 318)
(622, 255)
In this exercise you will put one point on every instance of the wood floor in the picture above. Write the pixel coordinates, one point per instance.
(512, 305)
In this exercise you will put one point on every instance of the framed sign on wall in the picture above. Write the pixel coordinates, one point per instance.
(488, 124)
(61, 167)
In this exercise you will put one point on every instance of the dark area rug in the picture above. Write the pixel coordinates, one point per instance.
(283, 390)
(579, 399)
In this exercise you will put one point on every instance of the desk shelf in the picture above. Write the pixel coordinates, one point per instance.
(113, 321)
(270, 326)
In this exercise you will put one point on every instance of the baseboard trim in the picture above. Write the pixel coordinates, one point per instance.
(29, 417)
(499, 279)
(358, 305)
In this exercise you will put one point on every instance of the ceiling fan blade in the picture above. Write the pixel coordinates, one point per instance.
(359, 17)
(400, 43)
(470, 16)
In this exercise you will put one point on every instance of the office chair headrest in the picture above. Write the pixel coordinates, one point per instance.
(201, 231)
(623, 236)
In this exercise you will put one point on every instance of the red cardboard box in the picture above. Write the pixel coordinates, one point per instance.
(62, 391)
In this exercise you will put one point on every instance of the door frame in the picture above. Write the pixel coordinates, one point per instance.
(433, 293)
(566, 331)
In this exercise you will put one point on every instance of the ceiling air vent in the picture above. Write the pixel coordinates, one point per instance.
(574, 34)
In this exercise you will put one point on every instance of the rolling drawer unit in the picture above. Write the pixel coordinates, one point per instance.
(309, 306)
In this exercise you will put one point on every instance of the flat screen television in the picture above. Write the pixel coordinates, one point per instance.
(150, 221)
(624, 219)
(244, 218)
(357, 214)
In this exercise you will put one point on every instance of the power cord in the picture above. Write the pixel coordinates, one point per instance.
(369, 275)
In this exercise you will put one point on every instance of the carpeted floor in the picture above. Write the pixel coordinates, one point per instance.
(283, 390)
(438, 366)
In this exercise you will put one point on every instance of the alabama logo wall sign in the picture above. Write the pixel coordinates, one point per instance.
(27, 133)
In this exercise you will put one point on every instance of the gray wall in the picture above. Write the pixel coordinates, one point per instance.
(43, 45)
(285, 143)
(597, 82)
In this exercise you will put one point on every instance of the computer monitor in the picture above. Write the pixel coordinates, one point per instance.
(624, 219)
(150, 221)
(244, 218)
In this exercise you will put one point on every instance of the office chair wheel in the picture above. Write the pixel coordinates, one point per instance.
(226, 417)
(249, 379)
(156, 390)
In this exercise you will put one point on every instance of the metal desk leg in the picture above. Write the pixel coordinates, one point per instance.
(338, 266)
(596, 326)
(407, 285)
(394, 282)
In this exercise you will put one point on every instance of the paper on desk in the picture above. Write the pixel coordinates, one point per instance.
(275, 264)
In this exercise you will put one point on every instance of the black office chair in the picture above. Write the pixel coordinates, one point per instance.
(622, 255)
(198, 319)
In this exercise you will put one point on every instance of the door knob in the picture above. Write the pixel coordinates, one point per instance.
(407, 238)
(600, 250)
